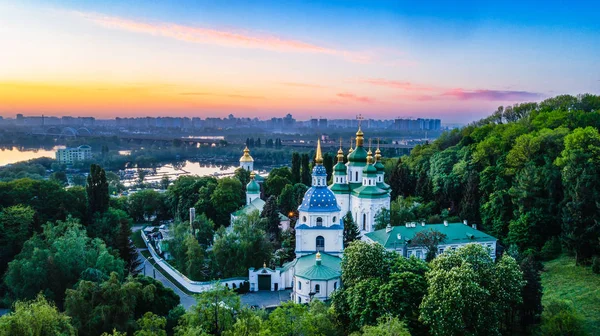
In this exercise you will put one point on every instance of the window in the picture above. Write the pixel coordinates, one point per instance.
(317, 288)
(335, 285)
(419, 254)
(364, 222)
(320, 242)
(303, 219)
(299, 285)
(334, 218)
(299, 300)
(356, 176)
(319, 221)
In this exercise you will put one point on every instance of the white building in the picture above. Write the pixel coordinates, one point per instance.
(399, 238)
(316, 271)
(246, 161)
(72, 155)
(359, 185)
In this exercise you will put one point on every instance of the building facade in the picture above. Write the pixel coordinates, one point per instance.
(359, 186)
(72, 155)
(400, 238)
(316, 271)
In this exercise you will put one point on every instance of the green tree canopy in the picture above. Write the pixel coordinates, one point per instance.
(35, 318)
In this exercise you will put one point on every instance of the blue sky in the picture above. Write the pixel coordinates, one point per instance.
(454, 60)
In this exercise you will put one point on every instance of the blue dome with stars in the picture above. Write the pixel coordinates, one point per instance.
(319, 170)
(319, 199)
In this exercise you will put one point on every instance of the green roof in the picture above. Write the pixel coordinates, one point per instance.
(369, 192)
(306, 267)
(380, 167)
(456, 233)
(340, 167)
(340, 188)
(370, 170)
(253, 186)
(256, 204)
(358, 157)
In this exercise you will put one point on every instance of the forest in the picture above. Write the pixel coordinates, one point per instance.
(528, 175)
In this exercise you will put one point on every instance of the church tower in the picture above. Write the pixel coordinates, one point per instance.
(252, 190)
(319, 227)
(246, 161)
(340, 186)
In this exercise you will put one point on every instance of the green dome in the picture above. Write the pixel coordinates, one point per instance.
(380, 167)
(359, 155)
(340, 167)
(253, 187)
(370, 171)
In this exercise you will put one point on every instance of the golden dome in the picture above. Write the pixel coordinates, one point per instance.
(318, 255)
(340, 155)
(246, 157)
(359, 137)
(369, 157)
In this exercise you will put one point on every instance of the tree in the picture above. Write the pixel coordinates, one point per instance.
(164, 182)
(16, 225)
(227, 197)
(277, 180)
(54, 260)
(580, 162)
(214, 311)
(296, 168)
(204, 229)
(112, 304)
(531, 308)
(243, 176)
(296, 319)
(328, 164)
(351, 232)
(97, 191)
(382, 219)
(464, 283)
(270, 214)
(151, 325)
(195, 259)
(244, 247)
(430, 240)
(306, 173)
(378, 283)
(146, 205)
(387, 326)
(35, 318)
(560, 318)
(59, 177)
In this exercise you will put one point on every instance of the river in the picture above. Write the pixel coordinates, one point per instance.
(14, 154)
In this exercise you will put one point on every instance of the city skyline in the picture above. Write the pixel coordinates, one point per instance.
(387, 59)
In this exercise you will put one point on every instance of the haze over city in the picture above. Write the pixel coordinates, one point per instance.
(457, 62)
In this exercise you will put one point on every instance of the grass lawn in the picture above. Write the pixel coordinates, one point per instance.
(564, 281)
(137, 240)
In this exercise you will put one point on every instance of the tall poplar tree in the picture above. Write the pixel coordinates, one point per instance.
(97, 191)
(295, 167)
(305, 170)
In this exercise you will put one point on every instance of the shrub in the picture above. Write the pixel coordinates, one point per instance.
(560, 318)
(596, 265)
(551, 249)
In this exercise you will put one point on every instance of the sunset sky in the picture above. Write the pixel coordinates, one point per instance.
(452, 60)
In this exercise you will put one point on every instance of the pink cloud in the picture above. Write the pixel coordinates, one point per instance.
(402, 85)
(222, 37)
(491, 95)
(352, 96)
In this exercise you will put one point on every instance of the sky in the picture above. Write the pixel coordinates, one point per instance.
(454, 60)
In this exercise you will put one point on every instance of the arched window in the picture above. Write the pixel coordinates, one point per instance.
(364, 222)
(335, 285)
(356, 174)
(334, 218)
(319, 221)
(320, 243)
(317, 288)
(299, 285)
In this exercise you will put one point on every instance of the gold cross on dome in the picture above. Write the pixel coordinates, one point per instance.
(360, 118)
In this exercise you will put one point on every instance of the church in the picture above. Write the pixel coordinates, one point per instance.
(358, 187)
